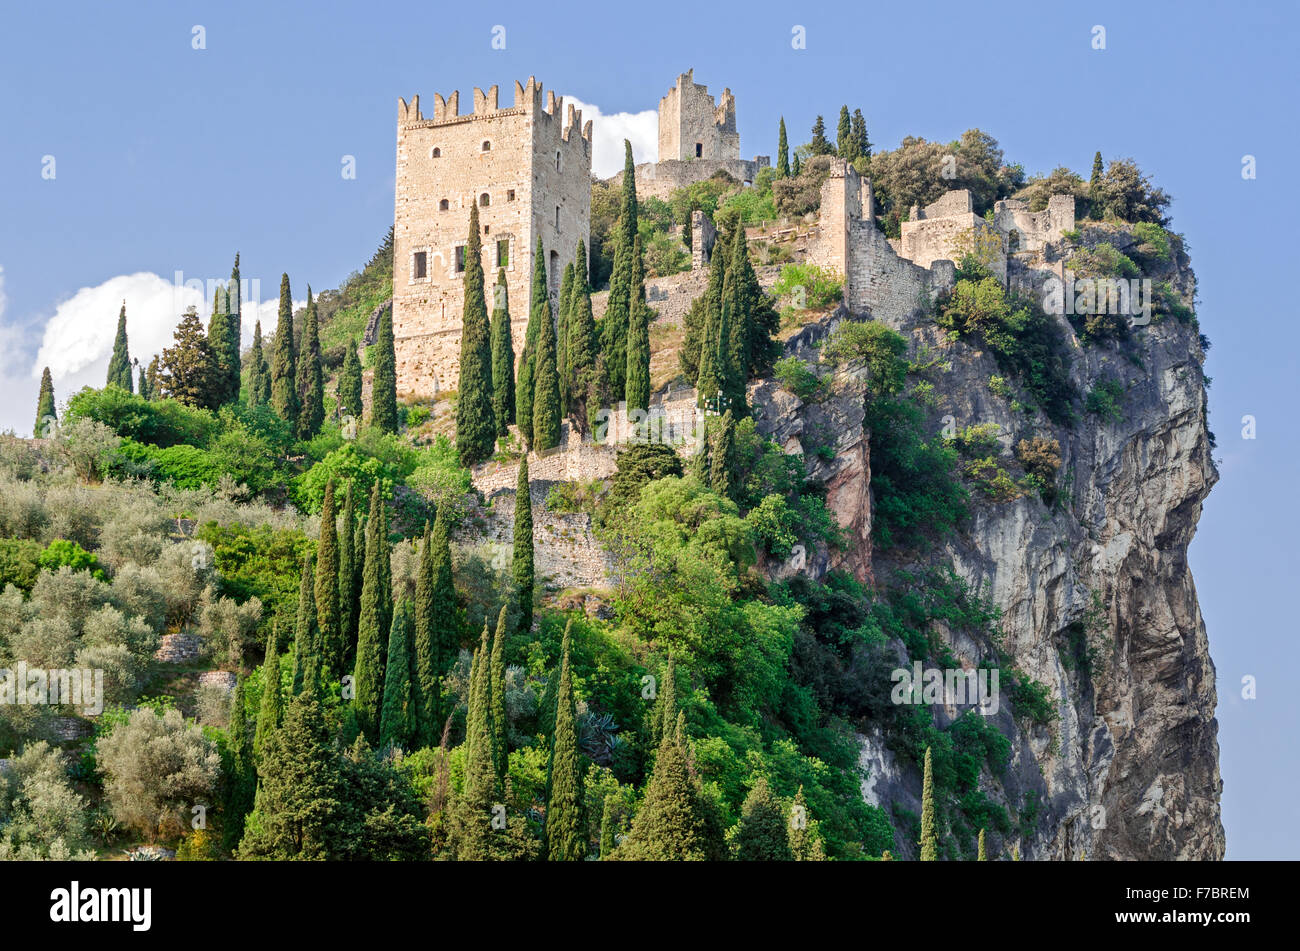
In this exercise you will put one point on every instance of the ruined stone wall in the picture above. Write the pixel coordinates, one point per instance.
(692, 125)
(1034, 229)
(703, 234)
(946, 238)
(661, 179)
(505, 161)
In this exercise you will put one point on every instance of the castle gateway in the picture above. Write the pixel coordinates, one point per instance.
(528, 168)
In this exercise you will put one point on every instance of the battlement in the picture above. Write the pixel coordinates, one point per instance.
(528, 100)
(692, 125)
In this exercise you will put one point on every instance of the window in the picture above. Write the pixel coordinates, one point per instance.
(484, 200)
(435, 153)
(503, 252)
(420, 266)
(557, 217)
(699, 149)
(487, 228)
(1013, 241)
(487, 146)
(554, 277)
(460, 258)
(444, 205)
(510, 194)
(557, 161)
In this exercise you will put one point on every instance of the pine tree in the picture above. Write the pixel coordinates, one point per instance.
(761, 836)
(306, 641)
(671, 824)
(503, 357)
(638, 337)
(819, 145)
(565, 828)
(241, 775)
(368, 674)
(187, 368)
(860, 141)
(562, 336)
(268, 715)
(582, 342)
(500, 743)
(805, 839)
(845, 146)
(723, 456)
(546, 382)
(782, 153)
(119, 365)
(476, 424)
(614, 325)
(521, 566)
(383, 390)
(46, 417)
(929, 837)
(395, 719)
(284, 391)
(348, 393)
(327, 589)
(311, 380)
(982, 854)
(349, 557)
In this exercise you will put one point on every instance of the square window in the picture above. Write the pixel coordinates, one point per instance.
(460, 259)
(503, 253)
(510, 195)
(420, 267)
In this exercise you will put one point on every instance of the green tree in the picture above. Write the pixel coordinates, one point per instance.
(241, 775)
(782, 153)
(187, 367)
(225, 360)
(860, 141)
(795, 166)
(327, 589)
(306, 641)
(581, 361)
(521, 566)
(566, 839)
(503, 357)
(383, 390)
(562, 336)
(395, 719)
(546, 382)
(1096, 186)
(284, 390)
(476, 423)
(45, 414)
(699, 345)
(760, 836)
(819, 145)
(268, 715)
(614, 325)
(349, 591)
(722, 457)
(804, 835)
(348, 394)
(672, 823)
(982, 855)
(119, 364)
(473, 814)
(500, 740)
(368, 674)
(310, 378)
(142, 384)
(437, 628)
(845, 145)
(929, 836)
(638, 337)
(259, 382)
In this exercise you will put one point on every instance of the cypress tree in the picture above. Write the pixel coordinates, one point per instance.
(845, 147)
(760, 835)
(500, 740)
(805, 841)
(142, 384)
(539, 311)
(437, 632)
(782, 153)
(46, 417)
(473, 815)
(268, 715)
(929, 837)
(234, 328)
(794, 168)
(225, 374)
(1095, 187)
(819, 145)
(358, 576)
(395, 719)
(503, 357)
(581, 360)
(284, 391)
(546, 382)
(306, 641)
(562, 336)
(348, 393)
(860, 141)
(665, 713)
(476, 424)
(723, 454)
(982, 854)
(700, 351)
(327, 590)
(368, 674)
(521, 566)
(347, 587)
(565, 835)
(241, 780)
(383, 391)
(638, 337)
(119, 364)
(607, 833)
(154, 375)
(671, 824)
(311, 381)
(614, 325)
(257, 361)
(385, 582)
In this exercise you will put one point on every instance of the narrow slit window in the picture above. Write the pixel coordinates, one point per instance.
(420, 267)
(503, 253)
(460, 258)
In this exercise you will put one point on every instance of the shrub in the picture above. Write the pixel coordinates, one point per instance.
(1041, 460)
(19, 562)
(1154, 241)
(163, 422)
(62, 552)
(774, 526)
(88, 446)
(1104, 400)
(809, 285)
(793, 374)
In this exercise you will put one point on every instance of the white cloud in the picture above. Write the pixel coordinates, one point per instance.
(608, 133)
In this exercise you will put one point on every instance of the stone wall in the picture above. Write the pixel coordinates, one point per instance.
(661, 179)
(703, 234)
(1034, 230)
(944, 230)
(528, 169)
(692, 125)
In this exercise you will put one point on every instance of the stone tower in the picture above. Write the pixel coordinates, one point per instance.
(529, 169)
(692, 125)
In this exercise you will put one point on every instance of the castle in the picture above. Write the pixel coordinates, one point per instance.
(528, 168)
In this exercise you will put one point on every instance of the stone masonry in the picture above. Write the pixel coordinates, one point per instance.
(528, 167)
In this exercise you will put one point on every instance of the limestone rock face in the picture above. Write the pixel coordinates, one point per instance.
(1130, 768)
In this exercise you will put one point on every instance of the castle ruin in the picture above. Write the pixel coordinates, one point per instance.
(528, 168)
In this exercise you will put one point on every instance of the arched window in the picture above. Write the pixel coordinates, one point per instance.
(487, 146)
(444, 205)
(484, 200)
(435, 153)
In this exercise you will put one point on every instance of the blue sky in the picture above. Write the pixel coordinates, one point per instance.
(168, 158)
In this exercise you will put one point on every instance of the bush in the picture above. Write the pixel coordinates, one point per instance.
(164, 422)
(793, 374)
(88, 446)
(19, 562)
(1104, 400)
(810, 286)
(774, 526)
(62, 552)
